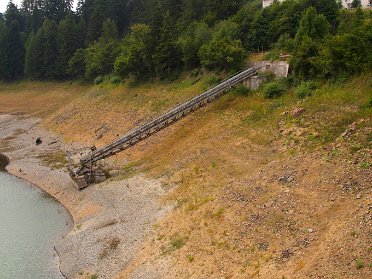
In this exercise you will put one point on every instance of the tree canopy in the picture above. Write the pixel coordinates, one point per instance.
(142, 39)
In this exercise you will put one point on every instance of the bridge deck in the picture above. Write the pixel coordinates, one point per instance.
(169, 118)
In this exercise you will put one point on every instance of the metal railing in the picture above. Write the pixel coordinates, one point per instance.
(137, 135)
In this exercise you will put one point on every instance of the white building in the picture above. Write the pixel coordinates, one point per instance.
(345, 3)
(365, 3)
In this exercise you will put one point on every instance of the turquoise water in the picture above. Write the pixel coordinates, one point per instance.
(30, 225)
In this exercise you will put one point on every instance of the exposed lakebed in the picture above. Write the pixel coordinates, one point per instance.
(31, 222)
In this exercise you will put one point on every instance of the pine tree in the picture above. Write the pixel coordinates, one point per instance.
(167, 56)
(81, 31)
(94, 26)
(55, 10)
(68, 43)
(13, 14)
(33, 11)
(109, 30)
(14, 52)
(356, 4)
(31, 62)
(50, 51)
(2, 49)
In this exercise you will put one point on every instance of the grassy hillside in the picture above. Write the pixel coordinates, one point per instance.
(276, 188)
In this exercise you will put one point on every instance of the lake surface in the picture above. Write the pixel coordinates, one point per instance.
(31, 223)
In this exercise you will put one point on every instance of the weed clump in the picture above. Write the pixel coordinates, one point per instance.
(359, 263)
(115, 80)
(98, 80)
(177, 243)
(305, 89)
(273, 89)
(242, 90)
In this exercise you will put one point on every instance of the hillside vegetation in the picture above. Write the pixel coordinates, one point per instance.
(261, 186)
(272, 183)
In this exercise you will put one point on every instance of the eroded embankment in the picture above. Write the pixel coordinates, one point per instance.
(4, 161)
(111, 219)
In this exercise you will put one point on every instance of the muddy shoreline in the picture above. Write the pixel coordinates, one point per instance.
(116, 211)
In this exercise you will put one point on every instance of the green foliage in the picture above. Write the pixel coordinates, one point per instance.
(313, 25)
(359, 263)
(100, 58)
(42, 52)
(76, 65)
(190, 42)
(135, 59)
(242, 90)
(109, 30)
(313, 29)
(305, 89)
(13, 51)
(98, 80)
(167, 54)
(161, 38)
(273, 89)
(115, 80)
(68, 42)
(356, 4)
(222, 54)
(349, 53)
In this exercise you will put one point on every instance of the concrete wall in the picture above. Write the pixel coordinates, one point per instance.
(279, 68)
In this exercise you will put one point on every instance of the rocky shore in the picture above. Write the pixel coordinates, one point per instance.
(111, 219)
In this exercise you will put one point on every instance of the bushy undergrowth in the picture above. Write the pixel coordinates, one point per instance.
(273, 89)
(242, 90)
(305, 89)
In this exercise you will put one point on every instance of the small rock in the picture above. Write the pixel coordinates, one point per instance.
(287, 253)
(297, 112)
(284, 113)
(38, 141)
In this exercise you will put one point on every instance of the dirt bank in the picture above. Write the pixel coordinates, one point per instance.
(110, 219)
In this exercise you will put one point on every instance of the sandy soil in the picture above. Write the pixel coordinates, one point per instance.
(110, 219)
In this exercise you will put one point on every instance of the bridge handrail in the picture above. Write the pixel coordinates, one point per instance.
(215, 91)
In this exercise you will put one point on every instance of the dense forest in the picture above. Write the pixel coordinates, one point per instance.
(144, 39)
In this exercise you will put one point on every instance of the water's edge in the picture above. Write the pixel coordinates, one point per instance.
(4, 162)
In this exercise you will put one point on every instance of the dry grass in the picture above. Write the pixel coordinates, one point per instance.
(225, 161)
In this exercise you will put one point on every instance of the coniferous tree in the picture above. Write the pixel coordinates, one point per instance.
(81, 30)
(33, 11)
(167, 56)
(56, 9)
(68, 43)
(2, 49)
(109, 30)
(14, 52)
(31, 59)
(42, 52)
(134, 59)
(13, 14)
(94, 26)
(50, 53)
(356, 4)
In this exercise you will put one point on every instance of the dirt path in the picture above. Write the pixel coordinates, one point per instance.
(110, 219)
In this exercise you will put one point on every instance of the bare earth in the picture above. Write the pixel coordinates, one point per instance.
(110, 220)
(272, 189)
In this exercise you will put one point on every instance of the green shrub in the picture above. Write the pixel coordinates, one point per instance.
(305, 89)
(115, 80)
(242, 90)
(273, 89)
(359, 263)
(98, 80)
